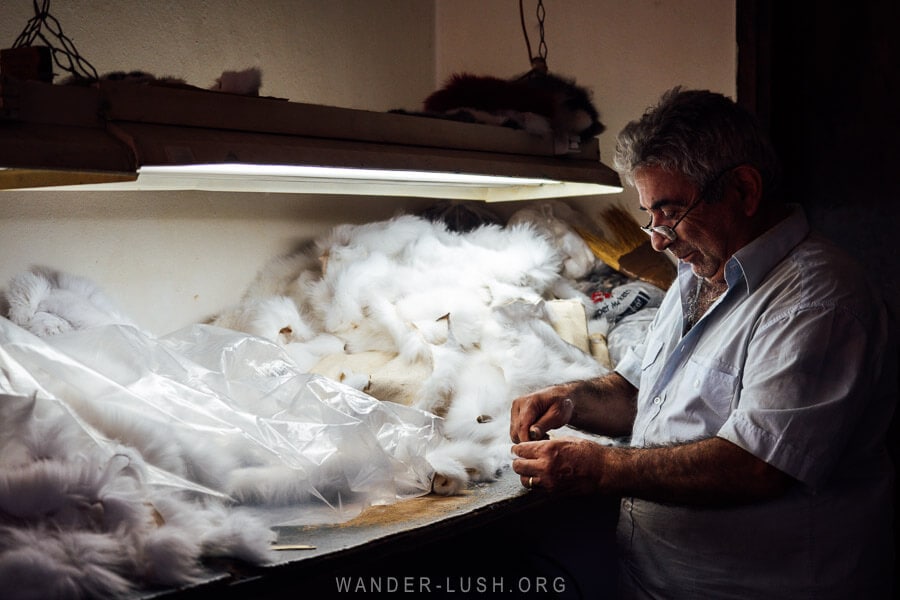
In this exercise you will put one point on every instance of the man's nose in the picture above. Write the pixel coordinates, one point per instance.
(659, 242)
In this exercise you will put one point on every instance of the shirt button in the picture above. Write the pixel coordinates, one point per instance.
(697, 384)
(657, 400)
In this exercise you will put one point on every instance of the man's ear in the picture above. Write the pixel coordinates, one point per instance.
(748, 183)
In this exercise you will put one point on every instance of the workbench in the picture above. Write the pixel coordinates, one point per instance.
(495, 537)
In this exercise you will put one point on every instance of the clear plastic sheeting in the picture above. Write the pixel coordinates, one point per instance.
(228, 415)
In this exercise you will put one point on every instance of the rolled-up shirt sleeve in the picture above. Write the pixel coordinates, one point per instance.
(629, 366)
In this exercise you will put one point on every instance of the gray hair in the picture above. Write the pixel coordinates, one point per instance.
(699, 134)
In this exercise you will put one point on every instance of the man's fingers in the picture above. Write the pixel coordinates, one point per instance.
(519, 433)
(527, 450)
(557, 415)
(533, 416)
(522, 423)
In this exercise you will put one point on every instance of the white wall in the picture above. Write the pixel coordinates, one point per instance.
(173, 259)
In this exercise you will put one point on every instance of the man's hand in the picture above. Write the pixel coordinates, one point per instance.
(535, 414)
(710, 472)
(563, 464)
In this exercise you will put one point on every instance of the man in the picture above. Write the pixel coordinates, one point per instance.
(757, 405)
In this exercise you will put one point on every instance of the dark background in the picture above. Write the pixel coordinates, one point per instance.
(824, 77)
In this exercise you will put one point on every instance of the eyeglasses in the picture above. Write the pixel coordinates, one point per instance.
(666, 231)
(669, 232)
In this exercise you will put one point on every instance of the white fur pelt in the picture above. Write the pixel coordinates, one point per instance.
(81, 520)
(556, 219)
(48, 302)
(469, 305)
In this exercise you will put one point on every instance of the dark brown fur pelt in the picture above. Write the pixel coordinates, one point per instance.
(567, 106)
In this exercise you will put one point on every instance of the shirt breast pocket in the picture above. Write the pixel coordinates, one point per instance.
(712, 386)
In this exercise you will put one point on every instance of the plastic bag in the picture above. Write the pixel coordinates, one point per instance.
(629, 332)
(625, 300)
(226, 414)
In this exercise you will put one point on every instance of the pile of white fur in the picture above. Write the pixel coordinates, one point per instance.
(127, 459)
(79, 519)
(86, 509)
(83, 515)
(459, 319)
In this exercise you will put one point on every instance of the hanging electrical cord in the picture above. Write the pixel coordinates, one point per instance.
(65, 55)
(539, 62)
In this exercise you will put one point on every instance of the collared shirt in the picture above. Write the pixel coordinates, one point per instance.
(786, 364)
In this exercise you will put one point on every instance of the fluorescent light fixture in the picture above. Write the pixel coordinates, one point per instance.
(233, 177)
(312, 173)
(131, 138)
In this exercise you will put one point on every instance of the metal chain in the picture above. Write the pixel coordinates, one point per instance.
(67, 57)
(539, 62)
(542, 47)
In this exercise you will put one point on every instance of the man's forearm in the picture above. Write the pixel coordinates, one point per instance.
(706, 472)
(606, 405)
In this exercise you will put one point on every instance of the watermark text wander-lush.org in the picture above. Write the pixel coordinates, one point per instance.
(419, 584)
